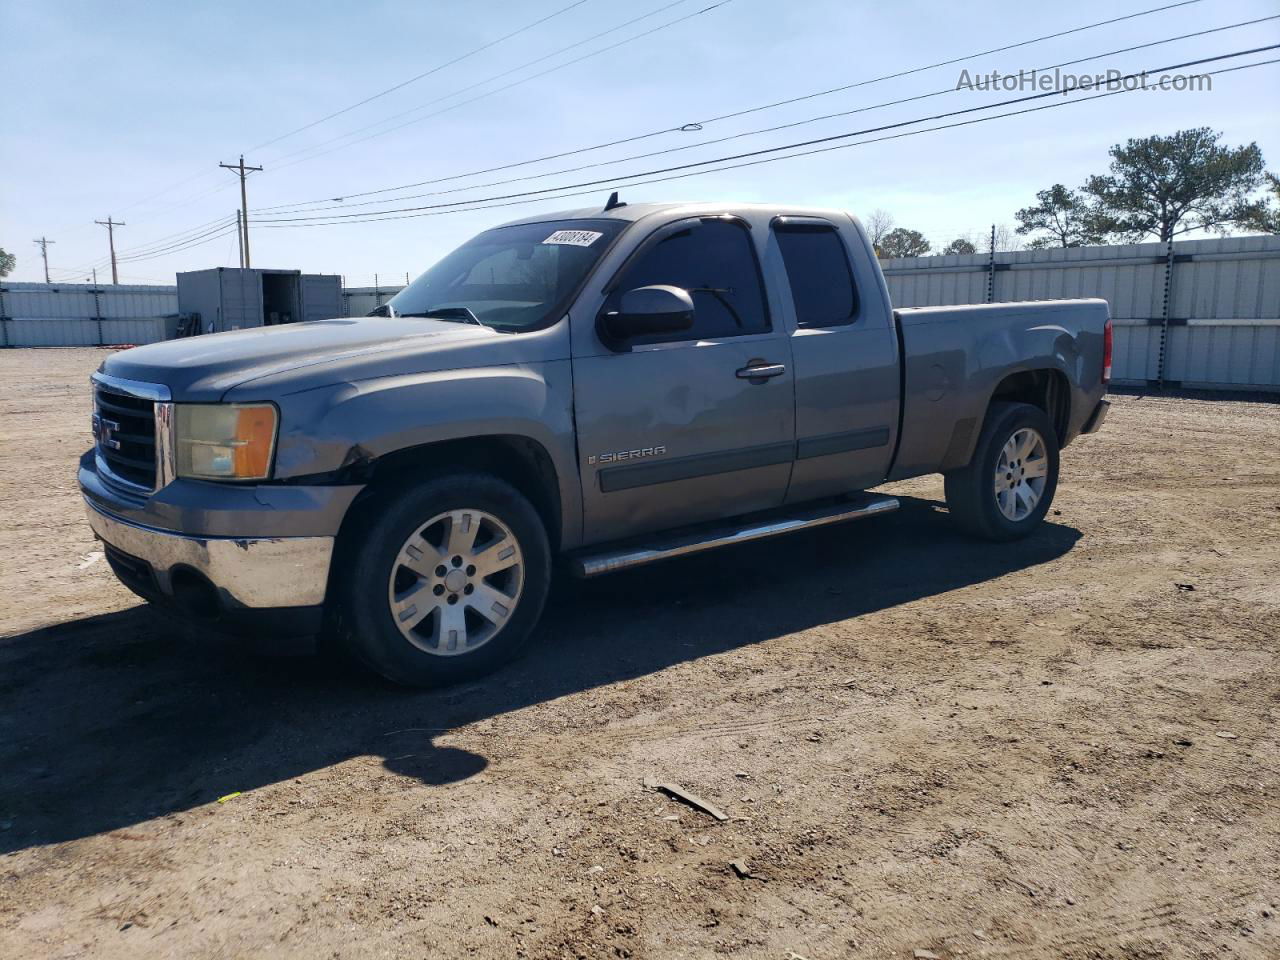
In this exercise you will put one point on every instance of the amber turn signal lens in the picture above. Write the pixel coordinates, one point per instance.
(256, 435)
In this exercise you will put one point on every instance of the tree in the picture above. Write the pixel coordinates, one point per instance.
(1167, 186)
(1063, 214)
(960, 245)
(7, 262)
(878, 225)
(901, 242)
(1006, 238)
(1267, 219)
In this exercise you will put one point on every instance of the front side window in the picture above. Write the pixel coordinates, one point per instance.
(509, 278)
(715, 261)
(818, 270)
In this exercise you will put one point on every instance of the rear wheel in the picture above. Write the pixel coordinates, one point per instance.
(1008, 486)
(447, 583)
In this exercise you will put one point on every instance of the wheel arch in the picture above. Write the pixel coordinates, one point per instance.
(518, 460)
(1046, 388)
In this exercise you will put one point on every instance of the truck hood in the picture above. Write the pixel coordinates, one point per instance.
(205, 368)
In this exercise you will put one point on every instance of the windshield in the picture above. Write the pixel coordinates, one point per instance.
(509, 278)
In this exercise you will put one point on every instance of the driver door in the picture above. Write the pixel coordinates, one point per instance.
(676, 429)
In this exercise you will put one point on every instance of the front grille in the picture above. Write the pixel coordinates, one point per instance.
(125, 434)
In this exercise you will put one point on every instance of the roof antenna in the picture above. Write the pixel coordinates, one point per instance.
(613, 202)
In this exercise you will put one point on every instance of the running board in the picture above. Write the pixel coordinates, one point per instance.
(624, 558)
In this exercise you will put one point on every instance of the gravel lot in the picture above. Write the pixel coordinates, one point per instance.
(1063, 748)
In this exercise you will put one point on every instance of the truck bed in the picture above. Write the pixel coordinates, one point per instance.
(955, 359)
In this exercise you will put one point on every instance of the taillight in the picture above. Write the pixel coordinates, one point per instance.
(1107, 336)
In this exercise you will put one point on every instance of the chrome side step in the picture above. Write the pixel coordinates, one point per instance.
(624, 558)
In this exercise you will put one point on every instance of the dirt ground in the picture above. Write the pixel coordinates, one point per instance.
(1063, 748)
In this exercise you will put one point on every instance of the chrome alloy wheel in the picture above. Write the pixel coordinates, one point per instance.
(456, 582)
(1021, 473)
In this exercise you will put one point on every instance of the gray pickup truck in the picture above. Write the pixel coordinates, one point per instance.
(607, 387)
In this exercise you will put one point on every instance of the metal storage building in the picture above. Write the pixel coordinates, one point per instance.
(231, 298)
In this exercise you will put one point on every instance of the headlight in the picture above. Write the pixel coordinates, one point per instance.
(232, 441)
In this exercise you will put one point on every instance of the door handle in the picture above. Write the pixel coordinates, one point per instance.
(761, 372)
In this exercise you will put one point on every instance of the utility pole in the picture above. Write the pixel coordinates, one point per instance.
(243, 171)
(240, 238)
(111, 241)
(44, 252)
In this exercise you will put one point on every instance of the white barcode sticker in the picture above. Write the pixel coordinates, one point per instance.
(574, 238)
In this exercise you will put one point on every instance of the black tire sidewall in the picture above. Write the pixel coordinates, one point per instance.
(367, 627)
(1009, 420)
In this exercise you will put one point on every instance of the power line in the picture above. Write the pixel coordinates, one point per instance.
(227, 231)
(514, 83)
(425, 74)
(177, 237)
(773, 129)
(226, 224)
(755, 109)
(786, 146)
(437, 211)
(201, 175)
(526, 79)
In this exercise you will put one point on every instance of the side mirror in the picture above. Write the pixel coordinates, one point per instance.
(647, 311)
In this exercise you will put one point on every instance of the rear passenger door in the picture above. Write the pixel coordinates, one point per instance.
(676, 429)
(845, 355)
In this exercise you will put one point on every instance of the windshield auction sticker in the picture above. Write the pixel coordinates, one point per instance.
(574, 238)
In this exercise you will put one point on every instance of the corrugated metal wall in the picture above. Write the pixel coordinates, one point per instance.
(1204, 313)
(358, 301)
(76, 315)
(1200, 313)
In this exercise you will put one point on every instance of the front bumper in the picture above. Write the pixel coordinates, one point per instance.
(232, 572)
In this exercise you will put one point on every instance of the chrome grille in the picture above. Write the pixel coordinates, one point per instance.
(124, 431)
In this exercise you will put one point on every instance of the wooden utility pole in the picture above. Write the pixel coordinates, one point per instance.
(111, 241)
(240, 238)
(243, 171)
(44, 252)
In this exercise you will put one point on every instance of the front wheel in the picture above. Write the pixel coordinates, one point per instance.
(1007, 488)
(447, 583)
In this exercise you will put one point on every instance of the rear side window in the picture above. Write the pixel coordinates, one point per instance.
(715, 261)
(818, 270)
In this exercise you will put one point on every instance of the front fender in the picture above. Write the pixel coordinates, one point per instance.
(327, 430)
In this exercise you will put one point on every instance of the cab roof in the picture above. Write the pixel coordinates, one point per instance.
(632, 212)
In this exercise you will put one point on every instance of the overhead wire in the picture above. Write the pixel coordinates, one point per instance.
(737, 113)
(775, 149)
(286, 161)
(421, 76)
(764, 130)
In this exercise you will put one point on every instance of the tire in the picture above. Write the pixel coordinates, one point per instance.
(1018, 440)
(475, 621)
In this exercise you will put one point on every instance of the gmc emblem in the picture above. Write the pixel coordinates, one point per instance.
(104, 432)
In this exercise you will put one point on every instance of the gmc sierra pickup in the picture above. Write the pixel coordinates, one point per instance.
(610, 387)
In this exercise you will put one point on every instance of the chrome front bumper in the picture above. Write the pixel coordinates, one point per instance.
(254, 572)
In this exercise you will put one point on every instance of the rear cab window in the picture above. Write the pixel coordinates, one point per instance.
(819, 274)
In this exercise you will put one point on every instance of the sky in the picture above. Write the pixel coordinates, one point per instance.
(125, 109)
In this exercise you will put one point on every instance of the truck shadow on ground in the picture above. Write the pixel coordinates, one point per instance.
(117, 719)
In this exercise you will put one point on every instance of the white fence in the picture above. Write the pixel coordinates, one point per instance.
(1199, 313)
(85, 315)
(1203, 313)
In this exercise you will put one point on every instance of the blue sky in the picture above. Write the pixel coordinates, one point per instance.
(125, 109)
